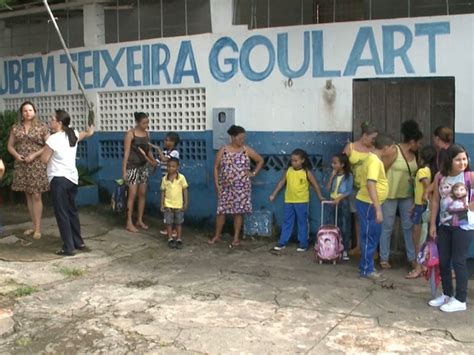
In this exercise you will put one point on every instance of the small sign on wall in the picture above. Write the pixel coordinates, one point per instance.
(222, 119)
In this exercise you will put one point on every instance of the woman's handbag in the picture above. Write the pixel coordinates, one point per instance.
(411, 180)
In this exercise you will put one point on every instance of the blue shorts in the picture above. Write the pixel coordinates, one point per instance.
(418, 213)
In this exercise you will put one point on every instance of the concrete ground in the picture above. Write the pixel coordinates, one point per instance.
(131, 295)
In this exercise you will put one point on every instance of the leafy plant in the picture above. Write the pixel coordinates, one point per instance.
(7, 119)
(23, 341)
(3, 3)
(86, 175)
(25, 291)
(71, 271)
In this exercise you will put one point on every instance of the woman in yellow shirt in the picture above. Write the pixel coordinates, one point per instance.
(297, 178)
(401, 166)
(357, 152)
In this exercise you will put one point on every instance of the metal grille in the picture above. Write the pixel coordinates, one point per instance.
(111, 149)
(168, 110)
(82, 150)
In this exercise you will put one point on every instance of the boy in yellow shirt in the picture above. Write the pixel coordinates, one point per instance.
(372, 194)
(174, 201)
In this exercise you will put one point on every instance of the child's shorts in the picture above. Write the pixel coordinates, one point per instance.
(173, 216)
(418, 213)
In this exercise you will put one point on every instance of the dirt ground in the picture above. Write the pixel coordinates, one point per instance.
(131, 294)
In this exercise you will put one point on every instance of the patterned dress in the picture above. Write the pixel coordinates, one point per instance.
(30, 177)
(234, 182)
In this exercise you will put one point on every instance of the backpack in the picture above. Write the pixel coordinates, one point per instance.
(329, 245)
(119, 198)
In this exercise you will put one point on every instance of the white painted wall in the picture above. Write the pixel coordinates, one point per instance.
(269, 105)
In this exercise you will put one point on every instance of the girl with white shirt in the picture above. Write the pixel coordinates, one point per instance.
(60, 156)
(456, 227)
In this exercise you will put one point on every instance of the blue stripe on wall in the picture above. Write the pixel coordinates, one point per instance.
(467, 140)
(106, 150)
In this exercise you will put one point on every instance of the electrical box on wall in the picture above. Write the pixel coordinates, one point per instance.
(222, 119)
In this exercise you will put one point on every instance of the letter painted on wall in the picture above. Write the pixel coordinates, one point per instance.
(374, 50)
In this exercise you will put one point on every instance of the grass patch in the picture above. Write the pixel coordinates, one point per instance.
(25, 291)
(24, 341)
(71, 271)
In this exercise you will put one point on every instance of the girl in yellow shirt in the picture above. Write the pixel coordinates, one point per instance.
(297, 179)
(423, 179)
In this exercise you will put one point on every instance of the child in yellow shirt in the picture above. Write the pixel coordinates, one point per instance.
(297, 179)
(174, 201)
(369, 200)
(427, 162)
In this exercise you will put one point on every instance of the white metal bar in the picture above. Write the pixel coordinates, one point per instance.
(41, 9)
(68, 55)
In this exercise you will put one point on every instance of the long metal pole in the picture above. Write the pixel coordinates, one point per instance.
(61, 39)
(139, 21)
(161, 18)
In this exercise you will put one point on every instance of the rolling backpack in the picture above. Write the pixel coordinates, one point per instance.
(119, 197)
(329, 246)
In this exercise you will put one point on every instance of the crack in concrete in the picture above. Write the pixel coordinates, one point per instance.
(339, 322)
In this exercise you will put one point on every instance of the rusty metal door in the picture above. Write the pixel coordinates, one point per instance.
(388, 102)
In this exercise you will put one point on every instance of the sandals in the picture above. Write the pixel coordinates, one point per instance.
(414, 274)
(385, 265)
(37, 235)
(132, 229)
(62, 252)
(214, 240)
(234, 244)
(28, 232)
(84, 248)
(142, 226)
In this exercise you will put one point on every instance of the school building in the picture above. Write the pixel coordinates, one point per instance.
(295, 74)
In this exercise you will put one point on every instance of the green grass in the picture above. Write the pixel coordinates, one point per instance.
(71, 271)
(24, 341)
(25, 290)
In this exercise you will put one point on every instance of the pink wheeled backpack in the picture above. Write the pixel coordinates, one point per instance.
(329, 246)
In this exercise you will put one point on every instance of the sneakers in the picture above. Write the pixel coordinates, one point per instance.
(453, 306)
(279, 247)
(345, 257)
(439, 301)
(448, 304)
(175, 244)
(374, 276)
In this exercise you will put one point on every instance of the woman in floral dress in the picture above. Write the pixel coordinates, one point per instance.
(25, 144)
(232, 181)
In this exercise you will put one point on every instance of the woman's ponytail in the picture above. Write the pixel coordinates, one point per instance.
(63, 117)
(71, 136)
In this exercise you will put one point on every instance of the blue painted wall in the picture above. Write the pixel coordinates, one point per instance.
(467, 140)
(106, 150)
